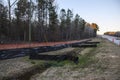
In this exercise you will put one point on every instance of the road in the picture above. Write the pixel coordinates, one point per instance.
(112, 39)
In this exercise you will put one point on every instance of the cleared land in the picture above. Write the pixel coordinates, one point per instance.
(100, 63)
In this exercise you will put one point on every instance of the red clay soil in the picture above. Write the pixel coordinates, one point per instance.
(27, 45)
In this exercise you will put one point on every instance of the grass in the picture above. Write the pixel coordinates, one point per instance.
(61, 63)
(84, 60)
(50, 63)
(87, 58)
(34, 62)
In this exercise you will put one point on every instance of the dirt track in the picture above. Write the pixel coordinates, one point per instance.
(105, 65)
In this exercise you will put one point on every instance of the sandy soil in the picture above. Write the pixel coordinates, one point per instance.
(106, 66)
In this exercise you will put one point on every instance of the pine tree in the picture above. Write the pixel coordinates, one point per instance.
(23, 16)
(63, 23)
(76, 27)
(69, 17)
(53, 21)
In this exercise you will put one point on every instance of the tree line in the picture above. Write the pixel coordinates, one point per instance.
(111, 33)
(41, 21)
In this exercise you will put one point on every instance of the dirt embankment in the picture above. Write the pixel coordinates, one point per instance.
(13, 69)
(101, 63)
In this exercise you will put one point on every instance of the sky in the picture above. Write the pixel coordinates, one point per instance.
(106, 13)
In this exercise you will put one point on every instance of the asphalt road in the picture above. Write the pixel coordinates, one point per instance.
(112, 39)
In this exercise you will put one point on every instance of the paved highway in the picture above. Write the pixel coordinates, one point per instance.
(115, 40)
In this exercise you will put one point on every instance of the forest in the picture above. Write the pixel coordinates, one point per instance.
(40, 21)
